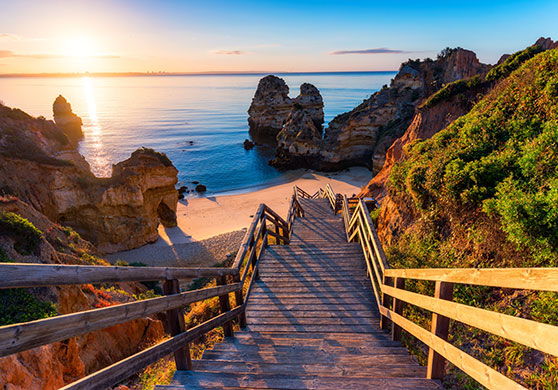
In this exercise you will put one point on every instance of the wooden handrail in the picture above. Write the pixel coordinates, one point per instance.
(21, 337)
(540, 336)
(24, 336)
(40, 275)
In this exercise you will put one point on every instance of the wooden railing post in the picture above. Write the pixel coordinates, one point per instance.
(440, 327)
(225, 307)
(384, 321)
(176, 325)
(397, 308)
(239, 297)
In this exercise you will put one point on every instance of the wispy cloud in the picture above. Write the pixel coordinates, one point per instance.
(380, 50)
(15, 37)
(11, 54)
(230, 52)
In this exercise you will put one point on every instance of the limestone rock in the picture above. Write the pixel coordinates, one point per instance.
(311, 100)
(363, 135)
(41, 167)
(269, 109)
(64, 117)
(272, 105)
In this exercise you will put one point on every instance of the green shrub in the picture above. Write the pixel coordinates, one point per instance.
(4, 257)
(19, 305)
(512, 63)
(27, 237)
(452, 89)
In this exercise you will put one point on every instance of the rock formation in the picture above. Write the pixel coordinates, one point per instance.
(272, 105)
(40, 166)
(300, 135)
(363, 135)
(64, 118)
(52, 366)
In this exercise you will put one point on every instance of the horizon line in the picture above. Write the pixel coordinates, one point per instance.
(206, 73)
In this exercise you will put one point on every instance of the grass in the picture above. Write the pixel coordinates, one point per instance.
(452, 89)
(19, 305)
(27, 237)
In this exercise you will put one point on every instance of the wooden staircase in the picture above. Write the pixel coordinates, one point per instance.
(312, 319)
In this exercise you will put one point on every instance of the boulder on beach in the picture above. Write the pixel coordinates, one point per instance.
(201, 188)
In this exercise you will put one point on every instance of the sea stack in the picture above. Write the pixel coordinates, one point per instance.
(64, 118)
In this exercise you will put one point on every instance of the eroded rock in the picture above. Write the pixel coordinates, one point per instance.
(65, 118)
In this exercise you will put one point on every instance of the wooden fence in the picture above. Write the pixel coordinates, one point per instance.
(236, 280)
(388, 285)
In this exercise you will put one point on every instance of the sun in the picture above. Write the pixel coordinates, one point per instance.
(79, 47)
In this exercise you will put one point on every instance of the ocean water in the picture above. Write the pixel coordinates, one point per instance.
(199, 121)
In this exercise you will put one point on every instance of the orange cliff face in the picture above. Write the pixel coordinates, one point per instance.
(55, 365)
(39, 163)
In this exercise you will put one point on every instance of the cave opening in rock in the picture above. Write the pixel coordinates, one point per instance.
(166, 215)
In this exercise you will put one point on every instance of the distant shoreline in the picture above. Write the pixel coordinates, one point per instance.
(177, 74)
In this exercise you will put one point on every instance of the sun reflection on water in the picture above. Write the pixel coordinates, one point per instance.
(100, 164)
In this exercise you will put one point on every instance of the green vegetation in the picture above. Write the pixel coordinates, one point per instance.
(4, 257)
(161, 156)
(19, 305)
(512, 63)
(452, 89)
(484, 193)
(93, 260)
(27, 237)
(13, 113)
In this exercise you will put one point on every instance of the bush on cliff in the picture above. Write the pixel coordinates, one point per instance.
(512, 63)
(484, 193)
(27, 237)
(19, 305)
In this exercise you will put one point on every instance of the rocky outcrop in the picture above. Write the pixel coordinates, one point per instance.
(55, 365)
(363, 135)
(272, 105)
(426, 122)
(64, 118)
(40, 166)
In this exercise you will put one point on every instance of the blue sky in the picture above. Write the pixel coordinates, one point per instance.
(104, 35)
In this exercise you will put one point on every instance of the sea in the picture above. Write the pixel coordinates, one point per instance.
(199, 121)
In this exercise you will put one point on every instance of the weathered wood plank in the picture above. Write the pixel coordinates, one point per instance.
(117, 372)
(542, 279)
(21, 337)
(38, 275)
(483, 374)
(542, 337)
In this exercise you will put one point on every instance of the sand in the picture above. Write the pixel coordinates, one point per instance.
(211, 227)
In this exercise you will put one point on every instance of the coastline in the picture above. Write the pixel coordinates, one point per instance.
(217, 221)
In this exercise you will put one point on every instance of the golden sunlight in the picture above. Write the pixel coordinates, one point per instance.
(80, 47)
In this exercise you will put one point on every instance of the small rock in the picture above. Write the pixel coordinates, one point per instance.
(195, 182)
(201, 188)
(182, 189)
(248, 144)
(180, 196)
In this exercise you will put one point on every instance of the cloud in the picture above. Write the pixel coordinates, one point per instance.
(15, 37)
(380, 50)
(11, 54)
(230, 52)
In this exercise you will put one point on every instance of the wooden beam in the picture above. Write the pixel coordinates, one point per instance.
(543, 337)
(40, 275)
(225, 304)
(541, 279)
(24, 336)
(398, 308)
(175, 325)
(477, 370)
(436, 368)
(239, 298)
(123, 369)
(384, 321)
(245, 241)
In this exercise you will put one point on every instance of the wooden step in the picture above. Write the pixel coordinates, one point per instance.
(289, 305)
(296, 321)
(312, 339)
(378, 371)
(298, 349)
(313, 328)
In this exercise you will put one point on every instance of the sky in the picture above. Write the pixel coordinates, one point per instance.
(262, 36)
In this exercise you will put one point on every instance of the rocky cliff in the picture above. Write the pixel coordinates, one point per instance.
(27, 236)
(65, 118)
(40, 165)
(363, 135)
(272, 105)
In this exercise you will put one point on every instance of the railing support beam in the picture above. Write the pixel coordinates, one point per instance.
(176, 325)
(384, 321)
(397, 308)
(225, 307)
(440, 327)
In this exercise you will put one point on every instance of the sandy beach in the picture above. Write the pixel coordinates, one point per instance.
(211, 227)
